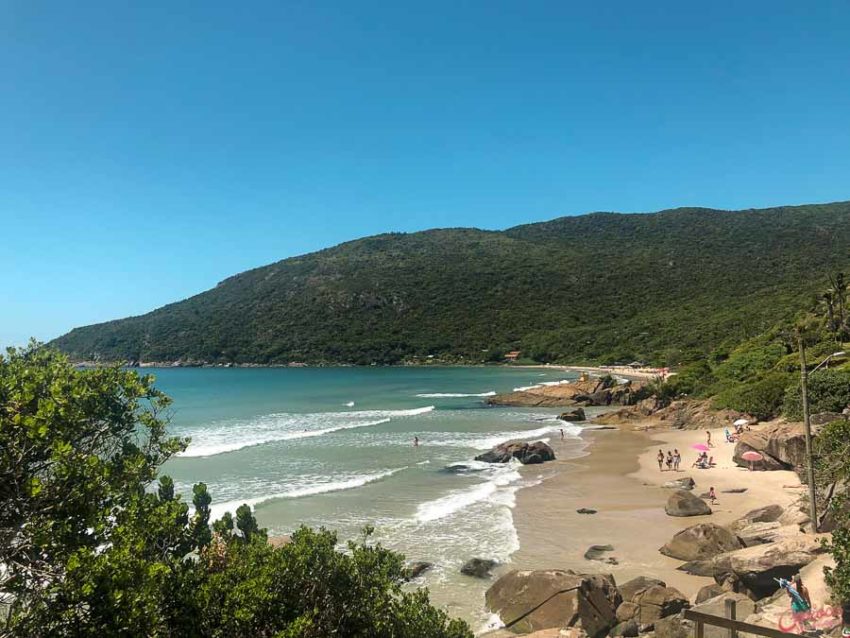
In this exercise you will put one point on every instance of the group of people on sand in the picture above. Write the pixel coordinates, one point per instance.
(704, 461)
(672, 460)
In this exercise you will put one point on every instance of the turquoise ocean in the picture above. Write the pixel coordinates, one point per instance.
(333, 447)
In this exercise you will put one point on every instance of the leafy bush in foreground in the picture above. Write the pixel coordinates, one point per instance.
(90, 550)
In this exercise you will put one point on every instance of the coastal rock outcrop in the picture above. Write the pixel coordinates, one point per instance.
(478, 567)
(528, 601)
(783, 447)
(682, 503)
(523, 451)
(582, 392)
(701, 541)
(752, 570)
(684, 414)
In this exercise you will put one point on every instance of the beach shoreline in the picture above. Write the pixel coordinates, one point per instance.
(618, 476)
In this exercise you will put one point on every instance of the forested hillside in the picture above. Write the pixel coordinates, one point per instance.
(664, 287)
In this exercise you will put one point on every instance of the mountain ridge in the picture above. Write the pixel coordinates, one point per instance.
(603, 286)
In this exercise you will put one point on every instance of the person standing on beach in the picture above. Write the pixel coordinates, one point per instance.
(562, 434)
(669, 460)
(708, 438)
(660, 461)
(712, 495)
(677, 458)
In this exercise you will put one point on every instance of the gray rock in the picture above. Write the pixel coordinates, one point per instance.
(586, 510)
(595, 552)
(758, 533)
(576, 414)
(682, 503)
(673, 627)
(734, 490)
(417, 568)
(633, 587)
(525, 452)
(627, 629)
(766, 514)
(478, 567)
(701, 541)
(659, 602)
(716, 606)
(529, 601)
(708, 592)
(684, 483)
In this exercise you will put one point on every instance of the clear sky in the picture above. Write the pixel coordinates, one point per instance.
(149, 150)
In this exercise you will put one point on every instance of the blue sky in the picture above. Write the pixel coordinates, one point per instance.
(147, 151)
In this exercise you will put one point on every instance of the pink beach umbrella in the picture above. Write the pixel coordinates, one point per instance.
(702, 447)
(752, 456)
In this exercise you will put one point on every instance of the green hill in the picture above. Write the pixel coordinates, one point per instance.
(664, 287)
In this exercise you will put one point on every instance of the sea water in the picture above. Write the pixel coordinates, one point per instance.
(334, 448)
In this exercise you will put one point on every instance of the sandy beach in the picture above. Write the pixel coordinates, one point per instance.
(619, 478)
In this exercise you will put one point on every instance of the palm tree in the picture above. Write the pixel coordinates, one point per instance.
(838, 291)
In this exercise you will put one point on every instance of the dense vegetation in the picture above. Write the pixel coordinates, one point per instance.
(91, 545)
(665, 287)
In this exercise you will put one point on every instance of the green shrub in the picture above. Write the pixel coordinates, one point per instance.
(762, 399)
(749, 361)
(92, 546)
(829, 391)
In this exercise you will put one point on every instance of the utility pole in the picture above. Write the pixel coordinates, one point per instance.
(810, 470)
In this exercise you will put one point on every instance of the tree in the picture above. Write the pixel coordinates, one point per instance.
(91, 546)
(832, 475)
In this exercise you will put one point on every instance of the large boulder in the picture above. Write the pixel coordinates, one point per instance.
(783, 447)
(416, 568)
(753, 570)
(716, 606)
(765, 514)
(527, 453)
(707, 592)
(478, 567)
(674, 627)
(659, 602)
(633, 587)
(701, 541)
(576, 414)
(797, 515)
(759, 533)
(529, 601)
(682, 503)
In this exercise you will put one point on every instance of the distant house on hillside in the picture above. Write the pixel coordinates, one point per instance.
(513, 355)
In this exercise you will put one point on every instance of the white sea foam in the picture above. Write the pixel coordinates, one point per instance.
(461, 499)
(492, 440)
(229, 436)
(350, 404)
(218, 509)
(542, 384)
(219, 441)
(455, 395)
